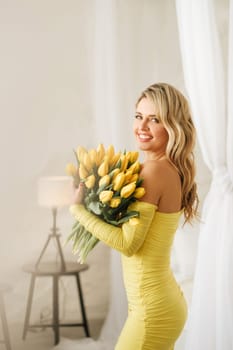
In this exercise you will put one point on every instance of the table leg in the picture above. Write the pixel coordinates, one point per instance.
(29, 305)
(56, 309)
(4, 324)
(85, 324)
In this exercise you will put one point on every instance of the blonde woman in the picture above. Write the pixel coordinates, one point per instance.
(157, 309)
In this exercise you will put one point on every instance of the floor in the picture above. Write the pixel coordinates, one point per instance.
(44, 339)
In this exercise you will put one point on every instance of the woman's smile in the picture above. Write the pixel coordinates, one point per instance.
(142, 137)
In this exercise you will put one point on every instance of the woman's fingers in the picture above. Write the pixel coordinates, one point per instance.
(76, 179)
(79, 194)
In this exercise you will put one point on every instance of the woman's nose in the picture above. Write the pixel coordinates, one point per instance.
(144, 125)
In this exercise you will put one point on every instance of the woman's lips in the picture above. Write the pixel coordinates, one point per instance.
(144, 137)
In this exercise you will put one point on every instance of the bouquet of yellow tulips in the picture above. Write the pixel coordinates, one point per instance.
(112, 183)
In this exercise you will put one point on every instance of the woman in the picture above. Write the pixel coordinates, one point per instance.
(165, 133)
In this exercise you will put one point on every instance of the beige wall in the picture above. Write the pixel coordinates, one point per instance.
(46, 110)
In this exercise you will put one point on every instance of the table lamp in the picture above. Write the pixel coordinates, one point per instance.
(54, 192)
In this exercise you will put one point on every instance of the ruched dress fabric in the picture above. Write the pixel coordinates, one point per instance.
(157, 309)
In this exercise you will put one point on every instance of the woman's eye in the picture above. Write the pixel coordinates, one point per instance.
(137, 116)
(155, 120)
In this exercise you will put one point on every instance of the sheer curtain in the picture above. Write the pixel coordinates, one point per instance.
(107, 126)
(211, 317)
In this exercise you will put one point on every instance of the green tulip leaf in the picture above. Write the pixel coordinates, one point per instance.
(94, 207)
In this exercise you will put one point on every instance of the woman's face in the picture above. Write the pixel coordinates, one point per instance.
(150, 133)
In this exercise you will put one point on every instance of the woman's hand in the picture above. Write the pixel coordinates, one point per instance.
(79, 194)
(76, 179)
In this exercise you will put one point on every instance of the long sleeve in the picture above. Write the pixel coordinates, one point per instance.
(128, 238)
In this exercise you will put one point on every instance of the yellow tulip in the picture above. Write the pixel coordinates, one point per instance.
(105, 196)
(71, 169)
(134, 178)
(101, 149)
(104, 181)
(83, 171)
(115, 158)
(135, 167)
(127, 190)
(106, 159)
(118, 181)
(90, 181)
(128, 176)
(114, 173)
(128, 155)
(133, 156)
(110, 152)
(92, 154)
(80, 153)
(139, 192)
(100, 154)
(115, 202)
(133, 221)
(103, 169)
(124, 162)
(87, 162)
(98, 159)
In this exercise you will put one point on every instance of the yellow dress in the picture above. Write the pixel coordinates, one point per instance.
(157, 310)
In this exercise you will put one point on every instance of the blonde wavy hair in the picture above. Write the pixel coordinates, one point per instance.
(174, 114)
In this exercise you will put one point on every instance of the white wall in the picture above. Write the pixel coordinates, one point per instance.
(46, 111)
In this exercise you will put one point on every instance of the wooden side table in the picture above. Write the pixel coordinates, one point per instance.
(55, 271)
(4, 288)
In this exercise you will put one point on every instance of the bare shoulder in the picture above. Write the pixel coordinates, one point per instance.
(162, 184)
(152, 171)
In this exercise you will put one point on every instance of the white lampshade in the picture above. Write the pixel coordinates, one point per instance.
(55, 191)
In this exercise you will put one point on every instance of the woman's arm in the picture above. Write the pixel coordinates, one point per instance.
(126, 239)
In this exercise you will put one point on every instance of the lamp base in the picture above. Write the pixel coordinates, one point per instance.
(56, 236)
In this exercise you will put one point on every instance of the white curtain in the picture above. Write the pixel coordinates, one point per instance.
(107, 128)
(210, 322)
